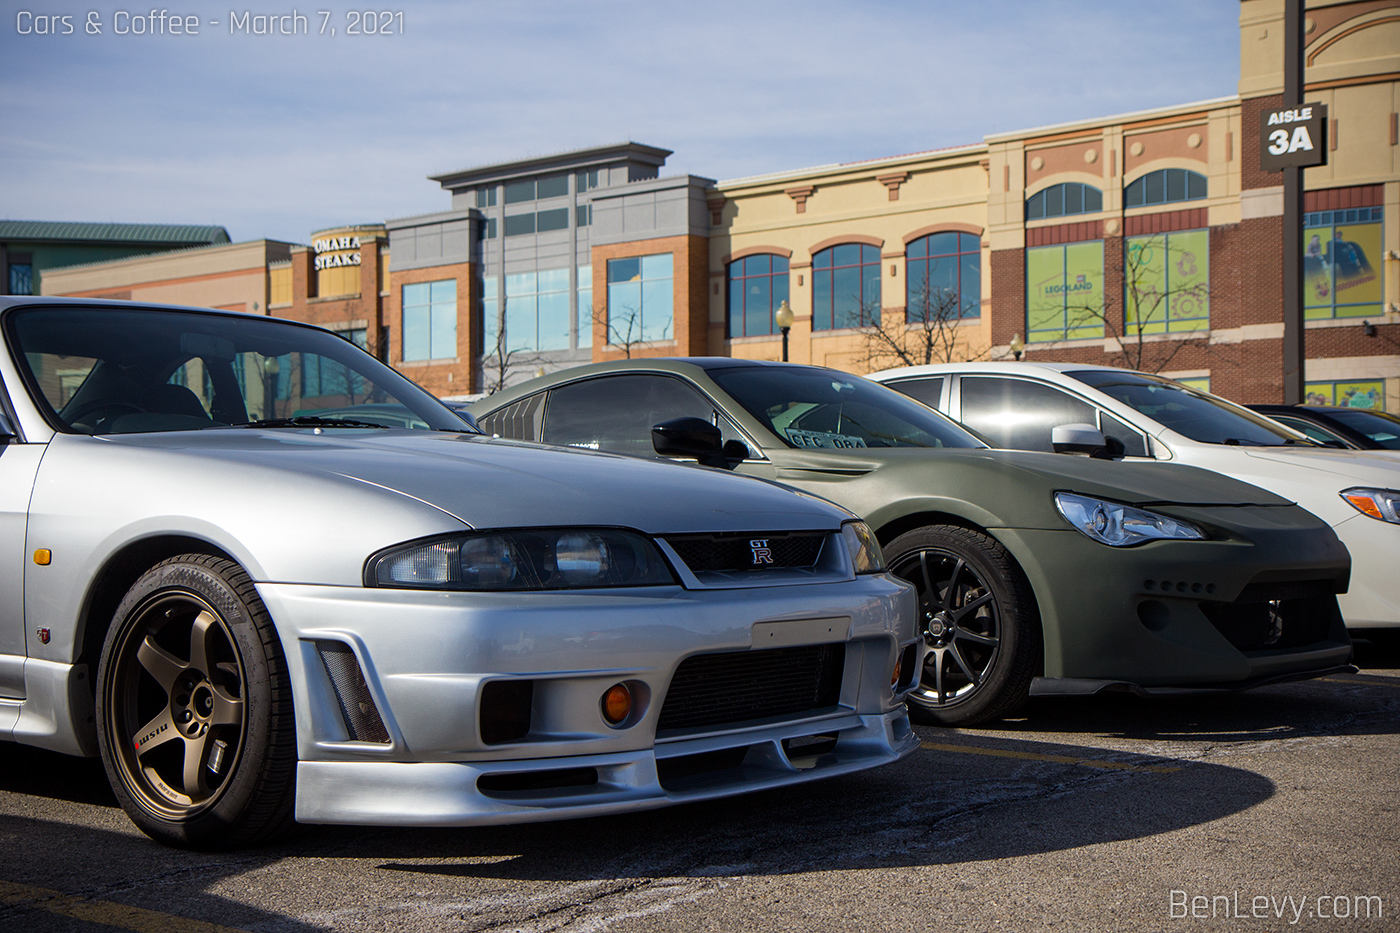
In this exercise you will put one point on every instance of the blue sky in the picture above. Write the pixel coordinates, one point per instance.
(276, 136)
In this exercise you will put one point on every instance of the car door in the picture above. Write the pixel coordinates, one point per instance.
(1020, 414)
(19, 462)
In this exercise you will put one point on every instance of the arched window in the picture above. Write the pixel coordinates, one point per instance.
(1063, 201)
(846, 286)
(943, 278)
(757, 285)
(1165, 187)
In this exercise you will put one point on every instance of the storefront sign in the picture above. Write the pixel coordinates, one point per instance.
(336, 251)
(1293, 136)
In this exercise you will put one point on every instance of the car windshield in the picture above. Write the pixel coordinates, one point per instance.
(810, 407)
(114, 370)
(1380, 427)
(1197, 415)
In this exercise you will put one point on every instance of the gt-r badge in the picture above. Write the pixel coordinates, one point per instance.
(761, 552)
(43, 634)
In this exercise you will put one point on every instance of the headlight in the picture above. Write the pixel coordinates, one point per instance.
(1383, 504)
(537, 559)
(863, 548)
(1120, 525)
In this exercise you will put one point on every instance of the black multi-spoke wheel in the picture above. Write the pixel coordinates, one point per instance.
(980, 632)
(194, 711)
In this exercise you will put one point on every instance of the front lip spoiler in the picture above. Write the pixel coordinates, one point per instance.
(1083, 686)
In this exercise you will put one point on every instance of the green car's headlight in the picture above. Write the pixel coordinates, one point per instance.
(1119, 525)
(1382, 504)
(534, 559)
(863, 547)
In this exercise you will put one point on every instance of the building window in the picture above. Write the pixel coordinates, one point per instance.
(537, 310)
(1341, 260)
(21, 278)
(1166, 282)
(520, 224)
(586, 180)
(1167, 186)
(846, 287)
(1368, 394)
(585, 306)
(1199, 383)
(757, 285)
(583, 215)
(554, 186)
(490, 313)
(557, 219)
(430, 320)
(487, 228)
(640, 301)
(1064, 292)
(943, 278)
(486, 197)
(1063, 201)
(517, 191)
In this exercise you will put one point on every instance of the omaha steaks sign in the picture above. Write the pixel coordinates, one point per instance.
(1293, 136)
(336, 251)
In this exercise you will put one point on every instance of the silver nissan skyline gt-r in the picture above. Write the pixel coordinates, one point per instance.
(268, 579)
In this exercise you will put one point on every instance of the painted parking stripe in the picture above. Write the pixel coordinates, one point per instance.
(106, 913)
(1377, 680)
(1057, 759)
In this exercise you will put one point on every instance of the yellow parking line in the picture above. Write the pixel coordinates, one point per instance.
(104, 912)
(1378, 682)
(1057, 759)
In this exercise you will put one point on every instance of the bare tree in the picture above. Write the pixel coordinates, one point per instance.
(1144, 310)
(624, 328)
(501, 361)
(928, 332)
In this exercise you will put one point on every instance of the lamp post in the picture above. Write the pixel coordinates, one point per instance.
(1017, 345)
(783, 318)
(270, 368)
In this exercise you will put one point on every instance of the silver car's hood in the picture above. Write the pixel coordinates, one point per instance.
(495, 483)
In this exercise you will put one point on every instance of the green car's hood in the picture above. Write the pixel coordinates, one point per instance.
(1001, 487)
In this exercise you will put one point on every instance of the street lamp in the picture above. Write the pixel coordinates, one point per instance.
(783, 318)
(270, 368)
(1017, 345)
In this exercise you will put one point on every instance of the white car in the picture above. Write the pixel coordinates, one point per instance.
(1074, 407)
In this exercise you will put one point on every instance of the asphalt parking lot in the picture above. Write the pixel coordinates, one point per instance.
(1271, 810)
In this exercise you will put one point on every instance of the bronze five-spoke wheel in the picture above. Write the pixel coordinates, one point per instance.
(194, 713)
(981, 635)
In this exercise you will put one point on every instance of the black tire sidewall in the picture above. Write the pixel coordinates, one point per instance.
(1008, 684)
(213, 581)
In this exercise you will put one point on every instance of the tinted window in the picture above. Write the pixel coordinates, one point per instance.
(1134, 445)
(1196, 415)
(617, 412)
(1382, 428)
(928, 391)
(122, 371)
(810, 407)
(1018, 414)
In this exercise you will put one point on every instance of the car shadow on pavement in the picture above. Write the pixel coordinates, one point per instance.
(935, 807)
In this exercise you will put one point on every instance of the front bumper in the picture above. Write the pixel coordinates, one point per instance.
(427, 659)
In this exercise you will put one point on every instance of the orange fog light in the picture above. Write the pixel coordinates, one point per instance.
(617, 704)
(898, 665)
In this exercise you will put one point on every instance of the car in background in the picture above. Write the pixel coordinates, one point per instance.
(226, 574)
(1036, 573)
(1142, 417)
(1351, 428)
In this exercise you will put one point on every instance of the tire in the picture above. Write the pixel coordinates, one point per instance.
(980, 628)
(194, 708)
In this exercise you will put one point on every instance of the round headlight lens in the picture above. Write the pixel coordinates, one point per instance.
(489, 563)
(582, 558)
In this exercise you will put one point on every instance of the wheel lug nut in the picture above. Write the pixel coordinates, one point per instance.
(186, 716)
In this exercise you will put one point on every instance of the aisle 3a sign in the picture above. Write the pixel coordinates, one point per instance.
(1293, 136)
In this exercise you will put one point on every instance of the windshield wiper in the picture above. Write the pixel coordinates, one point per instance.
(310, 421)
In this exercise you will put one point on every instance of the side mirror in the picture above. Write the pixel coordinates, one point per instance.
(1082, 439)
(691, 437)
(467, 417)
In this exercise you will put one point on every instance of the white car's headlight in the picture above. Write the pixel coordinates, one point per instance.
(863, 547)
(535, 559)
(1119, 525)
(1383, 504)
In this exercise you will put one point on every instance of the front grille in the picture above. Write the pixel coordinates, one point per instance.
(747, 551)
(738, 686)
(1275, 615)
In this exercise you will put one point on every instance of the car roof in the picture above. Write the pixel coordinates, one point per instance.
(993, 366)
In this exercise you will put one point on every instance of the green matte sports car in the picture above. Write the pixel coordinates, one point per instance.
(1037, 573)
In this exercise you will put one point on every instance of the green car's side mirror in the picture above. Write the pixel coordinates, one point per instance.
(696, 437)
